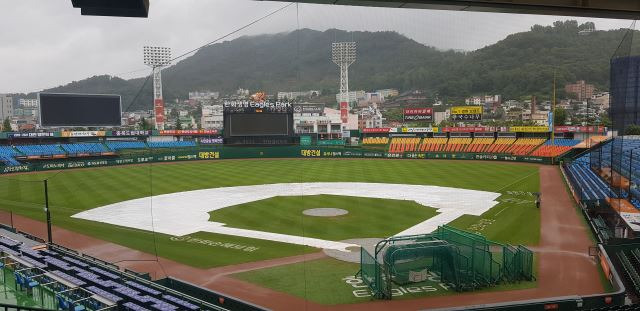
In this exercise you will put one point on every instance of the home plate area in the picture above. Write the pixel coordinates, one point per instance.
(184, 213)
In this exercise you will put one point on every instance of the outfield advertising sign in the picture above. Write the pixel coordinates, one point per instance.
(419, 129)
(417, 114)
(529, 129)
(466, 113)
(305, 140)
(31, 135)
(83, 133)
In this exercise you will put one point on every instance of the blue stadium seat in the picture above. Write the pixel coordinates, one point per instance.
(84, 148)
(40, 150)
(119, 145)
(7, 156)
(171, 144)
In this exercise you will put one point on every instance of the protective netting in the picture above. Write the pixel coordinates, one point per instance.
(463, 260)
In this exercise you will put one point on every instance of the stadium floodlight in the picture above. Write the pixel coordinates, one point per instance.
(157, 57)
(343, 54)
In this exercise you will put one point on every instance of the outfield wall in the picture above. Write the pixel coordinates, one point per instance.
(214, 153)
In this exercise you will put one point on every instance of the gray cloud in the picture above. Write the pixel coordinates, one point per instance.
(48, 43)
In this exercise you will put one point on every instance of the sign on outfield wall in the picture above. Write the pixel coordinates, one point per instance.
(419, 129)
(83, 133)
(417, 114)
(466, 113)
(376, 130)
(188, 132)
(529, 129)
(131, 133)
(579, 129)
(30, 135)
(308, 108)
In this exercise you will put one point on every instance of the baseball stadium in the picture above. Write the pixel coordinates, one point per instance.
(291, 205)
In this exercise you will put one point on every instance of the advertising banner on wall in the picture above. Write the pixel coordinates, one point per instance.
(376, 130)
(419, 129)
(131, 133)
(344, 112)
(187, 132)
(30, 135)
(579, 129)
(211, 141)
(83, 133)
(308, 108)
(417, 114)
(466, 129)
(529, 129)
(466, 113)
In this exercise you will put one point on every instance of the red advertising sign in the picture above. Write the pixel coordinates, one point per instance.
(188, 132)
(417, 114)
(578, 129)
(158, 107)
(344, 112)
(465, 129)
(376, 130)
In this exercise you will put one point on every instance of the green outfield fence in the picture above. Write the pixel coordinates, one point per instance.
(223, 152)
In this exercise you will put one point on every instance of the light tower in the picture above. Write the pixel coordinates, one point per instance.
(343, 54)
(157, 57)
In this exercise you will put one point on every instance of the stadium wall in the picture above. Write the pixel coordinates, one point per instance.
(257, 152)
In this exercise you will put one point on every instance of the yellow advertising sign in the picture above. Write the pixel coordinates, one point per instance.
(466, 110)
(529, 129)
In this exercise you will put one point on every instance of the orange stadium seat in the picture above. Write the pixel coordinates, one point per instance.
(402, 144)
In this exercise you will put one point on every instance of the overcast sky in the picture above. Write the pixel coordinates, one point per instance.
(46, 43)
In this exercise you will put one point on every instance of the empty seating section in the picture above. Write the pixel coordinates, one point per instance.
(7, 156)
(118, 145)
(630, 262)
(402, 144)
(40, 150)
(84, 148)
(480, 144)
(559, 147)
(433, 144)
(524, 146)
(588, 184)
(457, 144)
(500, 145)
(105, 282)
(375, 140)
(171, 144)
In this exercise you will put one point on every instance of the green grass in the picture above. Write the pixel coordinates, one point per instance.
(367, 217)
(329, 281)
(73, 191)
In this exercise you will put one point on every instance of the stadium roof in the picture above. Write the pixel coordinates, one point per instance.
(625, 9)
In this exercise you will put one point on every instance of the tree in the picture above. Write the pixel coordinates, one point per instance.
(144, 124)
(6, 125)
(632, 130)
(178, 124)
(560, 116)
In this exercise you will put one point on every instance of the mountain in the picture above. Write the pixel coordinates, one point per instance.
(522, 64)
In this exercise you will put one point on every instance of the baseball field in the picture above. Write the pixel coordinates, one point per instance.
(512, 218)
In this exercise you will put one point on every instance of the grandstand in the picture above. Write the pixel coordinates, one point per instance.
(375, 140)
(82, 148)
(40, 150)
(433, 144)
(524, 146)
(402, 144)
(119, 145)
(559, 147)
(588, 185)
(80, 283)
(500, 145)
(480, 144)
(457, 144)
(7, 156)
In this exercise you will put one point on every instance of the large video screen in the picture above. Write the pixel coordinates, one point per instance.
(259, 124)
(79, 110)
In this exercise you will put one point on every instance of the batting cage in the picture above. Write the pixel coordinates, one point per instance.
(462, 260)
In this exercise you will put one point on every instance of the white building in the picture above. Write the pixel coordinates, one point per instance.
(204, 95)
(28, 102)
(354, 96)
(242, 92)
(326, 123)
(6, 107)
(386, 93)
(482, 100)
(212, 117)
(295, 95)
(370, 117)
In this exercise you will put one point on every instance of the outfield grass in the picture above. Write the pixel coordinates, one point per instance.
(329, 281)
(73, 191)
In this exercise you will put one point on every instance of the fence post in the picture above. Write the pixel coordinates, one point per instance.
(46, 209)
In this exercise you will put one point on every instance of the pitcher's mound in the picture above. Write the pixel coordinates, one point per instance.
(325, 212)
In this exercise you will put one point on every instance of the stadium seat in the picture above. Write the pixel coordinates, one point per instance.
(40, 150)
(433, 144)
(7, 156)
(402, 144)
(119, 145)
(84, 148)
(375, 140)
(171, 144)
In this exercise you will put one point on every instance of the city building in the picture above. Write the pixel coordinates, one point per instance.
(483, 100)
(439, 116)
(354, 96)
(295, 95)
(212, 117)
(386, 93)
(204, 95)
(580, 89)
(370, 117)
(327, 124)
(28, 102)
(601, 100)
(6, 107)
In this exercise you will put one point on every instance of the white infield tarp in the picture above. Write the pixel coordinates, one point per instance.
(185, 213)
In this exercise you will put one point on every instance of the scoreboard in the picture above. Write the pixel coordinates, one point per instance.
(248, 122)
